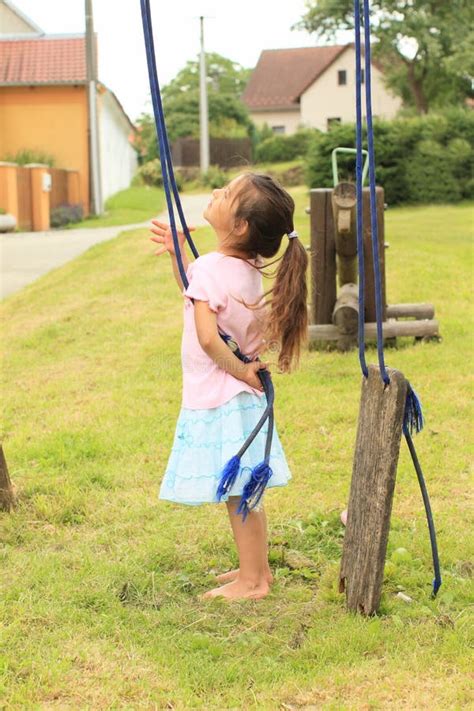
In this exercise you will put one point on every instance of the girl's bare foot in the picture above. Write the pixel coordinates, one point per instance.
(239, 590)
(344, 517)
(233, 574)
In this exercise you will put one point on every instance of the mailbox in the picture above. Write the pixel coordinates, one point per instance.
(46, 182)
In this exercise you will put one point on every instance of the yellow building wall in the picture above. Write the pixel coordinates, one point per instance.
(52, 119)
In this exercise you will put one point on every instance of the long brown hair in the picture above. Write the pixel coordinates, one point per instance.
(268, 209)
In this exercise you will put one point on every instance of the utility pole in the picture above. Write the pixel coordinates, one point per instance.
(95, 191)
(203, 110)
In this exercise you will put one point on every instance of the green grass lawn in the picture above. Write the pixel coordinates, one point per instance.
(127, 207)
(99, 578)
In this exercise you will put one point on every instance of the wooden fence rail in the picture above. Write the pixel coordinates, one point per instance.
(224, 152)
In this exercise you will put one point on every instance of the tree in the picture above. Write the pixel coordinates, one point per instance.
(228, 116)
(223, 76)
(145, 140)
(440, 68)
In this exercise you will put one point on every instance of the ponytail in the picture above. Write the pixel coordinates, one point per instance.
(268, 209)
(287, 320)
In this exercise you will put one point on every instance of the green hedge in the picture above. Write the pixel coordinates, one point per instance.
(423, 159)
(280, 148)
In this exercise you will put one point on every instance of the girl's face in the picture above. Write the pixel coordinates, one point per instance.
(220, 212)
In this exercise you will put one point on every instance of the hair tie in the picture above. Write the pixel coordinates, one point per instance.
(292, 235)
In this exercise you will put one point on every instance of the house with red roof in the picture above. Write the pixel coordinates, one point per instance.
(44, 105)
(311, 87)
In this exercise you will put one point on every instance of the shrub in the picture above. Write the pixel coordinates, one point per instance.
(149, 174)
(188, 174)
(430, 175)
(215, 177)
(30, 155)
(66, 214)
(288, 175)
(461, 153)
(279, 148)
(419, 159)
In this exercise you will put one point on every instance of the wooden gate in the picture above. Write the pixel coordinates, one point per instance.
(58, 188)
(25, 208)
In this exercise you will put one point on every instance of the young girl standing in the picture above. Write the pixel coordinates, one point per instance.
(223, 397)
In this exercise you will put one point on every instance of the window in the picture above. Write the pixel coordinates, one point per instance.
(342, 77)
(361, 76)
(332, 121)
(278, 129)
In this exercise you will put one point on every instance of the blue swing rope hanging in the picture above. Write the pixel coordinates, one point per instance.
(413, 416)
(262, 472)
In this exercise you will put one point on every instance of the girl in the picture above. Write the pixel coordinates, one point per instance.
(223, 398)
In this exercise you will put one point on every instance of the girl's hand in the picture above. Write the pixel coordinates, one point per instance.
(164, 236)
(250, 375)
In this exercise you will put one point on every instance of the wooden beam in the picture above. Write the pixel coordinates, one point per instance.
(391, 329)
(343, 203)
(346, 311)
(323, 257)
(419, 311)
(373, 481)
(370, 314)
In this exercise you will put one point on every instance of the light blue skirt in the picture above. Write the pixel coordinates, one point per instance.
(204, 442)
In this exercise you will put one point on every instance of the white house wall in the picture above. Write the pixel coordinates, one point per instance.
(325, 99)
(12, 23)
(289, 119)
(118, 160)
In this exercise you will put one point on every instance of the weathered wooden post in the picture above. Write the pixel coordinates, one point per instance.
(7, 497)
(343, 201)
(334, 259)
(373, 481)
(323, 257)
(334, 316)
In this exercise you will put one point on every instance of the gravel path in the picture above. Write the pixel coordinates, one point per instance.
(25, 256)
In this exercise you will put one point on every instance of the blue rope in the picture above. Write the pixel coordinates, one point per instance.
(373, 198)
(413, 415)
(165, 137)
(261, 473)
(359, 184)
(434, 548)
(165, 153)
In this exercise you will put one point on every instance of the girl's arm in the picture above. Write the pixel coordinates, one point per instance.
(163, 236)
(174, 263)
(212, 344)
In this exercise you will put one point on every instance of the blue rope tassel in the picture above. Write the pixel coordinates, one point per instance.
(255, 487)
(228, 476)
(413, 419)
(258, 479)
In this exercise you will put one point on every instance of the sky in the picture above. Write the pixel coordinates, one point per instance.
(237, 29)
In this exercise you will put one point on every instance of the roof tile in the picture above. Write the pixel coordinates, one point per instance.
(43, 60)
(282, 75)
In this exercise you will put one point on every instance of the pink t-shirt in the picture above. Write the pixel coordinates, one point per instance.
(218, 278)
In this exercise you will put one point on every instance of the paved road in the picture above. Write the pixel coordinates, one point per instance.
(25, 256)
